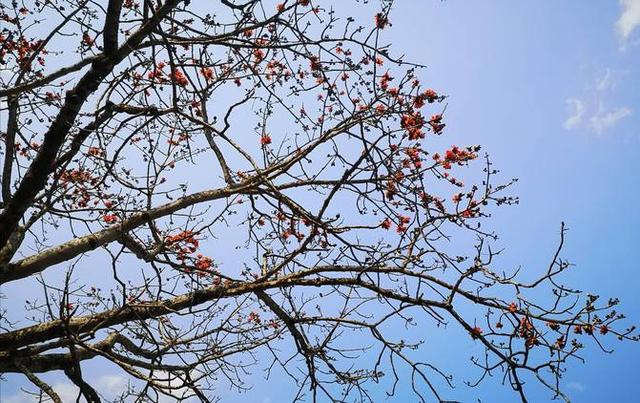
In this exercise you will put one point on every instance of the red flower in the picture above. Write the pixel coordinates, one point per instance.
(315, 63)
(280, 7)
(181, 237)
(207, 72)
(384, 80)
(254, 317)
(95, 151)
(413, 123)
(381, 20)
(178, 77)
(258, 55)
(86, 39)
(436, 124)
(476, 332)
(402, 227)
(52, 96)
(110, 218)
(265, 139)
(588, 328)
(386, 224)
(431, 95)
(553, 325)
(203, 262)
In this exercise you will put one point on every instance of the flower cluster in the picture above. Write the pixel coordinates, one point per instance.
(476, 332)
(265, 139)
(457, 155)
(254, 317)
(203, 262)
(414, 158)
(429, 96)
(404, 221)
(76, 176)
(413, 124)
(110, 218)
(385, 79)
(179, 78)
(182, 136)
(23, 50)
(527, 331)
(183, 243)
(207, 73)
(258, 55)
(436, 124)
(381, 20)
(51, 97)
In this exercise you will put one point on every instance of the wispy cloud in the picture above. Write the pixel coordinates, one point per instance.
(576, 113)
(109, 385)
(606, 119)
(629, 19)
(576, 386)
(590, 112)
(607, 80)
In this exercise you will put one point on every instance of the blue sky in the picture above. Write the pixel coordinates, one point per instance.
(549, 89)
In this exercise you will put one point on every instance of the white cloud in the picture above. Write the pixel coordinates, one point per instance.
(66, 391)
(577, 386)
(629, 19)
(18, 398)
(606, 80)
(588, 112)
(606, 119)
(577, 113)
(601, 121)
(107, 385)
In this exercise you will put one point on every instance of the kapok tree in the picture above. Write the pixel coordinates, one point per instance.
(195, 190)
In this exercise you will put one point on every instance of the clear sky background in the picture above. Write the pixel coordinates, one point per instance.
(551, 91)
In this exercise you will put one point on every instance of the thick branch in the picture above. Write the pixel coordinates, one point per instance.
(143, 311)
(64, 252)
(36, 177)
